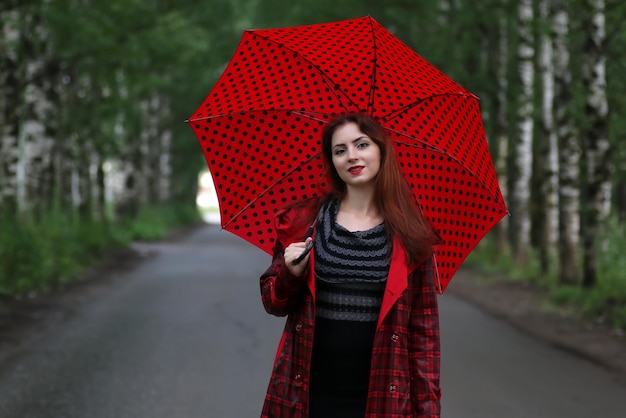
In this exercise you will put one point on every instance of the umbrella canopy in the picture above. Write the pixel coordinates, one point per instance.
(260, 129)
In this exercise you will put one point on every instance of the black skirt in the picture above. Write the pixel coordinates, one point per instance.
(340, 368)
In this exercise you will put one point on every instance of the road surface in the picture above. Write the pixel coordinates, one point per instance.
(184, 335)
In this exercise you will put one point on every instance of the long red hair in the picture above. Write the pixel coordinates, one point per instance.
(397, 204)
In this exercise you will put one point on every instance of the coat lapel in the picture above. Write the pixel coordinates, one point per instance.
(397, 280)
(311, 278)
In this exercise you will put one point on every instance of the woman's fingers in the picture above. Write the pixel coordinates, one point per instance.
(292, 253)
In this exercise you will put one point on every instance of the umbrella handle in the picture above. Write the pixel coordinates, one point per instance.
(307, 249)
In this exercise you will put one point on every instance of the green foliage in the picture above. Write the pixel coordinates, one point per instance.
(608, 297)
(497, 262)
(22, 254)
(39, 255)
(154, 223)
(115, 54)
(605, 302)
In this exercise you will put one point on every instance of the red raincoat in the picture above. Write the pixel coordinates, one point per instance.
(404, 376)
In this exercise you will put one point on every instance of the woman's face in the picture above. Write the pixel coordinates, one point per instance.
(356, 156)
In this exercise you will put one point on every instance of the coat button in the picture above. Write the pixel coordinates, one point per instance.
(393, 387)
(299, 327)
(395, 337)
(298, 376)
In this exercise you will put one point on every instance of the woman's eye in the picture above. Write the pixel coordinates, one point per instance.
(339, 151)
(362, 145)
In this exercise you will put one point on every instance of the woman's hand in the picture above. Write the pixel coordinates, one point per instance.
(292, 252)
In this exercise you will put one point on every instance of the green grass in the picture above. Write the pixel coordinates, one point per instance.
(497, 263)
(606, 302)
(41, 254)
(608, 298)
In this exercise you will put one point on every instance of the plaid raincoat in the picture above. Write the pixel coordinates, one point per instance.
(404, 376)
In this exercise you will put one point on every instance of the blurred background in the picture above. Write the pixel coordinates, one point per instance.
(95, 152)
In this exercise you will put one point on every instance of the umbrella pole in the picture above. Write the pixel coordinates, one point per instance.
(439, 290)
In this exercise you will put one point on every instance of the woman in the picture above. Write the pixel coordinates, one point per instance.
(362, 333)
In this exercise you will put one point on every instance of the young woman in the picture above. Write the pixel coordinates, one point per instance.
(362, 333)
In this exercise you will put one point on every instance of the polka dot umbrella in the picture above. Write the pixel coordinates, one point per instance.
(260, 129)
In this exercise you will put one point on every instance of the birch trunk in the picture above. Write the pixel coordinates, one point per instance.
(163, 158)
(84, 180)
(547, 157)
(64, 165)
(154, 152)
(66, 151)
(596, 143)
(569, 151)
(443, 8)
(165, 167)
(101, 201)
(620, 200)
(51, 87)
(522, 161)
(157, 149)
(96, 211)
(4, 69)
(502, 127)
(127, 201)
(35, 144)
(10, 84)
(142, 156)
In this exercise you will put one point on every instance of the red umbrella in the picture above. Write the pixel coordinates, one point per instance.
(260, 129)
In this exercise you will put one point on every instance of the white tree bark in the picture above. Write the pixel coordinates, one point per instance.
(35, 145)
(147, 152)
(444, 10)
(83, 180)
(569, 150)
(502, 124)
(154, 151)
(165, 167)
(597, 145)
(35, 140)
(164, 156)
(522, 160)
(66, 151)
(9, 127)
(547, 164)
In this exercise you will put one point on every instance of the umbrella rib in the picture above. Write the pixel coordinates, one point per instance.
(397, 112)
(285, 175)
(305, 113)
(443, 152)
(323, 74)
(370, 105)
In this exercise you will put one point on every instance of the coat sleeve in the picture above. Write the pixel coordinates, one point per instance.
(424, 343)
(280, 290)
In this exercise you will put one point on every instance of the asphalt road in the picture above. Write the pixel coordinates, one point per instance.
(184, 335)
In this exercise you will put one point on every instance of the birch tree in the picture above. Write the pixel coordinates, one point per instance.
(162, 158)
(142, 166)
(522, 143)
(39, 111)
(596, 140)
(547, 157)
(10, 81)
(154, 148)
(502, 121)
(569, 149)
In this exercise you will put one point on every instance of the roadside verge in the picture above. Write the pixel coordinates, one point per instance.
(529, 310)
